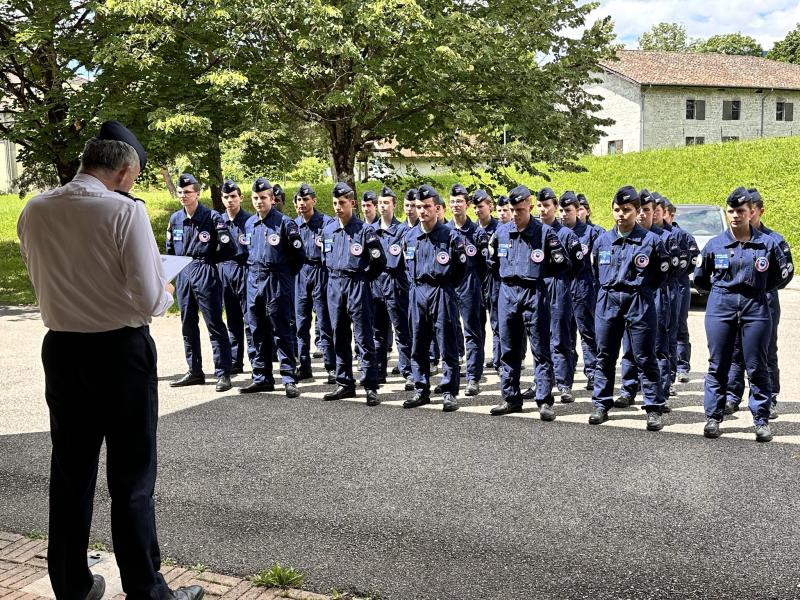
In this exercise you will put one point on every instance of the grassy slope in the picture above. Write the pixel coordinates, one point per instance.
(699, 174)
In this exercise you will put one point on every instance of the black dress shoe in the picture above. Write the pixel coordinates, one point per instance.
(331, 378)
(98, 588)
(223, 383)
(654, 421)
(302, 374)
(372, 398)
(506, 407)
(189, 379)
(488, 365)
(439, 389)
(253, 387)
(417, 400)
(711, 429)
(683, 377)
(666, 408)
(192, 592)
(624, 401)
(529, 394)
(773, 412)
(449, 403)
(317, 354)
(599, 415)
(396, 371)
(341, 392)
(763, 433)
(237, 370)
(730, 408)
(589, 385)
(409, 386)
(473, 389)
(546, 412)
(291, 390)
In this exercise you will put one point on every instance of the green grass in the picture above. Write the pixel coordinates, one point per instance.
(695, 175)
(280, 577)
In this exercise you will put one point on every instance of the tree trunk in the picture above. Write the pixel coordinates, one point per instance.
(168, 182)
(215, 174)
(66, 170)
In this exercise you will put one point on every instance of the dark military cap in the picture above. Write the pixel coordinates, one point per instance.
(518, 194)
(756, 196)
(386, 192)
(425, 191)
(367, 197)
(479, 196)
(187, 179)
(502, 200)
(278, 191)
(261, 185)
(114, 130)
(411, 194)
(568, 198)
(306, 190)
(739, 197)
(583, 201)
(626, 195)
(458, 190)
(341, 189)
(546, 194)
(646, 197)
(229, 185)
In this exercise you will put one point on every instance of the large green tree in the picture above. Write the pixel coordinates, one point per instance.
(729, 43)
(788, 49)
(667, 37)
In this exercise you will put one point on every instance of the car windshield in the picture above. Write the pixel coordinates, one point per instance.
(701, 222)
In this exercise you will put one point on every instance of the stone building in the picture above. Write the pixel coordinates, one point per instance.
(668, 99)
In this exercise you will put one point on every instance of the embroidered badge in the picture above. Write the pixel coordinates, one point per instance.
(642, 260)
(558, 256)
(394, 249)
(375, 253)
(177, 234)
(442, 258)
(224, 238)
(579, 255)
(410, 252)
(244, 240)
(204, 236)
(537, 255)
(318, 241)
(471, 250)
(356, 249)
(762, 264)
(274, 239)
(665, 266)
(584, 249)
(721, 261)
(605, 257)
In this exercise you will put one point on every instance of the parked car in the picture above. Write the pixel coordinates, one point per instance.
(703, 221)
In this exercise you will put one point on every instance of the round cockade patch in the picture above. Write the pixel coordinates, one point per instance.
(243, 240)
(356, 249)
(471, 250)
(204, 236)
(762, 264)
(641, 260)
(318, 241)
(394, 249)
(442, 257)
(537, 255)
(274, 239)
(584, 249)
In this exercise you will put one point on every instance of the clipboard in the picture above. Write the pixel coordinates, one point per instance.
(174, 264)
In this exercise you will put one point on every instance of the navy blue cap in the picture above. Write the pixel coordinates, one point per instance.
(411, 195)
(583, 201)
(625, 195)
(425, 191)
(518, 194)
(114, 130)
(386, 192)
(368, 197)
(646, 197)
(546, 193)
(502, 200)
(458, 190)
(306, 190)
(261, 185)
(341, 189)
(278, 190)
(739, 197)
(568, 198)
(229, 185)
(187, 179)
(479, 196)
(756, 196)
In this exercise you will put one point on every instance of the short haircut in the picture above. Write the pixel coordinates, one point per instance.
(634, 203)
(107, 155)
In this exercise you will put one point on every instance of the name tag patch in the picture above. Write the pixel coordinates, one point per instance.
(604, 257)
(328, 245)
(410, 252)
(177, 235)
(722, 261)
(502, 250)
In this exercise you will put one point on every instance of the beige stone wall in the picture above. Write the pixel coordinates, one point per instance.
(621, 102)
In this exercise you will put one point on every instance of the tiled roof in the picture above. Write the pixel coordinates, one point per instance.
(704, 69)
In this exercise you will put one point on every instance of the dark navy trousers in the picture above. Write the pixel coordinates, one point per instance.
(683, 345)
(584, 301)
(80, 369)
(233, 277)
(390, 302)
(268, 295)
(434, 316)
(561, 316)
(311, 290)
(470, 306)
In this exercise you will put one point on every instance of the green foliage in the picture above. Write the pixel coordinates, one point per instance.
(280, 577)
(98, 546)
(668, 37)
(199, 568)
(310, 169)
(729, 43)
(35, 535)
(167, 561)
(788, 49)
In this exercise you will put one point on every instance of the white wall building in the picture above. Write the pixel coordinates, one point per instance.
(667, 99)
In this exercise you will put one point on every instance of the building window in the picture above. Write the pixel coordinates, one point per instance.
(730, 138)
(695, 141)
(615, 147)
(696, 109)
(784, 111)
(731, 110)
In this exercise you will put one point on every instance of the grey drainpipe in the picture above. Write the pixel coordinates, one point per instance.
(763, 98)
(641, 120)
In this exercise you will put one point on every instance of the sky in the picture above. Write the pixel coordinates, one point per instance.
(768, 21)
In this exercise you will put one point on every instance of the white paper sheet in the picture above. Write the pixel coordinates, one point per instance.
(174, 265)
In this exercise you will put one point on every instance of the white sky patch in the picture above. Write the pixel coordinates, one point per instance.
(768, 21)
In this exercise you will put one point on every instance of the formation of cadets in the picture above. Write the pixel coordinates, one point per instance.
(539, 275)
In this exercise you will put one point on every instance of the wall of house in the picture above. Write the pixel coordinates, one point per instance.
(666, 125)
(404, 166)
(9, 168)
(622, 103)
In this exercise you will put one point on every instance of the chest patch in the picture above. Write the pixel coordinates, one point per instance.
(273, 239)
(394, 249)
(722, 261)
(604, 257)
(204, 236)
(641, 260)
(762, 264)
(442, 257)
(537, 255)
(356, 249)
(410, 252)
(471, 250)
(244, 239)
(318, 241)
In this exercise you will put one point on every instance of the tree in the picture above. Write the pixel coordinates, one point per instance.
(45, 48)
(788, 49)
(729, 43)
(667, 37)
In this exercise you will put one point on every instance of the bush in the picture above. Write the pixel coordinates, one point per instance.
(309, 170)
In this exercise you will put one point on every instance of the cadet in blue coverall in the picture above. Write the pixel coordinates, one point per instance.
(490, 287)
(311, 287)
(630, 264)
(583, 288)
(201, 233)
(390, 291)
(354, 257)
(435, 258)
(233, 275)
(525, 252)
(468, 292)
(560, 295)
(739, 267)
(736, 374)
(275, 255)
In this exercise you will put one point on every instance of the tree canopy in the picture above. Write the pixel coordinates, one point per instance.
(788, 49)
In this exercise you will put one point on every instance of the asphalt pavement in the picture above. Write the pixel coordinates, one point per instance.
(420, 504)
